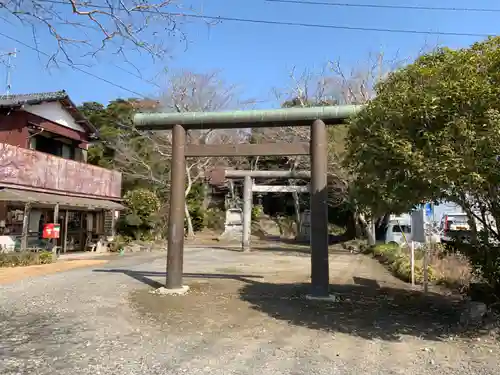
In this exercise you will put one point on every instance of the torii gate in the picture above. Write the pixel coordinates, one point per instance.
(315, 117)
(249, 188)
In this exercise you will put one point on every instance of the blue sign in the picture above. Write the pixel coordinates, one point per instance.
(428, 209)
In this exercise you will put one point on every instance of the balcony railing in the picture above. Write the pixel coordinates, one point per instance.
(37, 170)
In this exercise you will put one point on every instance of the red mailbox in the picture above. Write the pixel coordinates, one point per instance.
(51, 231)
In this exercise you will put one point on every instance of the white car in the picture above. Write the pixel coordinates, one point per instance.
(397, 233)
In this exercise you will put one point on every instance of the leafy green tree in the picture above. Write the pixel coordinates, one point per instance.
(142, 212)
(194, 201)
(433, 133)
(120, 146)
(112, 122)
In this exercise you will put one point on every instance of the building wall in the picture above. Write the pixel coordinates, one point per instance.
(55, 128)
(13, 129)
(54, 112)
(21, 167)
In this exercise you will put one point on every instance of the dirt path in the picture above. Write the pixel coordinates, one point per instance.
(12, 274)
(253, 312)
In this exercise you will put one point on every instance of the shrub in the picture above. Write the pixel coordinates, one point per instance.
(119, 243)
(215, 219)
(286, 225)
(141, 217)
(387, 252)
(257, 212)
(402, 270)
(452, 268)
(484, 259)
(45, 257)
(142, 202)
(197, 218)
(398, 261)
(25, 258)
(194, 202)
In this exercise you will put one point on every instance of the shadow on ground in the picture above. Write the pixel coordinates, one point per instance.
(333, 239)
(364, 310)
(286, 247)
(280, 249)
(145, 277)
(277, 249)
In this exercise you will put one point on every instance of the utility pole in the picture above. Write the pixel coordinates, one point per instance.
(9, 65)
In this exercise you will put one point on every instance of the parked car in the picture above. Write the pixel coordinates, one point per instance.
(455, 226)
(398, 233)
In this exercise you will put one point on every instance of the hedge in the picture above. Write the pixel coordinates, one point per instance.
(25, 258)
(397, 260)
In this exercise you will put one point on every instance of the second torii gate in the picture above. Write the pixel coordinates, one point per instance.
(315, 117)
(249, 188)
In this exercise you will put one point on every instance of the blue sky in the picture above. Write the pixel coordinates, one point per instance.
(255, 57)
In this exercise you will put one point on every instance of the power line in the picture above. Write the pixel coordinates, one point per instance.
(138, 76)
(116, 66)
(73, 66)
(285, 23)
(384, 6)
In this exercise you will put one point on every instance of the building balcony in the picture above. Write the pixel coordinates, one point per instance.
(33, 170)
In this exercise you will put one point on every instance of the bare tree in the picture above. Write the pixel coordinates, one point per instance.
(331, 85)
(192, 92)
(146, 155)
(82, 28)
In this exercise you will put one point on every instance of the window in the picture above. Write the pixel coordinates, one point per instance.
(74, 220)
(66, 151)
(457, 219)
(401, 229)
(49, 144)
(32, 142)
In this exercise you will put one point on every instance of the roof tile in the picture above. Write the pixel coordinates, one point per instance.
(35, 98)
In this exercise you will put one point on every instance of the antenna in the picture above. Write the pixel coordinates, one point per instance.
(9, 66)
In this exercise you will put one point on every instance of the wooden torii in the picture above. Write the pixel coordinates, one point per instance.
(315, 117)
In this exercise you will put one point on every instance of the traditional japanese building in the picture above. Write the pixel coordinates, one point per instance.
(45, 178)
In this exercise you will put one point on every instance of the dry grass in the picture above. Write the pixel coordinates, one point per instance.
(10, 275)
(451, 270)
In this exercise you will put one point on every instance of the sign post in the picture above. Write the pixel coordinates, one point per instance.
(429, 213)
(429, 209)
(412, 263)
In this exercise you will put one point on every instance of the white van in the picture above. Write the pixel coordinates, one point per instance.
(397, 232)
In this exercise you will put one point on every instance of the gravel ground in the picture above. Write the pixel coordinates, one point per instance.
(244, 314)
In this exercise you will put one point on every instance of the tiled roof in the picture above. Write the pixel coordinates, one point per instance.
(36, 98)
